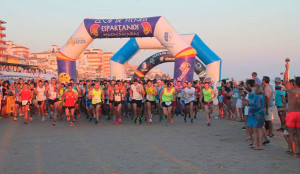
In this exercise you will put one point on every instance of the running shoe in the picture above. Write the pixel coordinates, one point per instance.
(119, 120)
(135, 121)
(68, 118)
(140, 120)
(208, 123)
(43, 118)
(25, 122)
(114, 120)
(96, 122)
(150, 120)
(71, 123)
(53, 123)
(30, 118)
(61, 117)
(15, 119)
(161, 118)
(90, 119)
(185, 119)
(171, 121)
(192, 120)
(167, 124)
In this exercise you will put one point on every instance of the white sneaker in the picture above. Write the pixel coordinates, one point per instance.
(216, 117)
(150, 120)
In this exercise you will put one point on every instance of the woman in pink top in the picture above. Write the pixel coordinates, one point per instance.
(25, 100)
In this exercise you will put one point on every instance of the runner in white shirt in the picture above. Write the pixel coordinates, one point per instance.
(53, 100)
(188, 96)
(40, 91)
(137, 93)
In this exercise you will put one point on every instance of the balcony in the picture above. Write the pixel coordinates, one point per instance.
(2, 35)
(2, 28)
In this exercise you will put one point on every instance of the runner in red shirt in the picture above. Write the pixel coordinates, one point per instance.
(69, 99)
(26, 97)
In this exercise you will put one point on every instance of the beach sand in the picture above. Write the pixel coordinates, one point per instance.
(38, 147)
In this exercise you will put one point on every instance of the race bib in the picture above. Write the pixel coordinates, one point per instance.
(118, 98)
(53, 95)
(168, 103)
(156, 101)
(40, 97)
(24, 102)
(130, 99)
(96, 99)
(149, 97)
(107, 102)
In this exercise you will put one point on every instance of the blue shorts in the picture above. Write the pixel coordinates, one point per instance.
(88, 103)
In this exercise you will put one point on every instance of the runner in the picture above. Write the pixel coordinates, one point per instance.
(178, 89)
(60, 93)
(208, 94)
(159, 88)
(97, 96)
(150, 98)
(40, 92)
(137, 92)
(53, 100)
(26, 97)
(189, 97)
(69, 99)
(166, 97)
(118, 97)
(18, 103)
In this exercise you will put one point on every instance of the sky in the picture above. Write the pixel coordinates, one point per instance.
(248, 35)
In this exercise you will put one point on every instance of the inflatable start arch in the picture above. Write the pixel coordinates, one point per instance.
(135, 28)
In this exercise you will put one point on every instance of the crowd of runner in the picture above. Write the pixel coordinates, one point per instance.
(252, 102)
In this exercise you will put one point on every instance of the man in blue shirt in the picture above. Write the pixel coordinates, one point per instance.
(280, 102)
(254, 77)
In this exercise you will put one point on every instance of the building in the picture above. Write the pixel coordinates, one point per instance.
(106, 65)
(2, 41)
(93, 59)
(16, 50)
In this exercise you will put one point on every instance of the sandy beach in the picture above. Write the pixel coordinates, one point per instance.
(127, 148)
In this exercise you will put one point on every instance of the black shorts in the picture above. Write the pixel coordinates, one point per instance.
(18, 102)
(152, 102)
(95, 105)
(69, 107)
(51, 102)
(189, 103)
(164, 105)
(137, 102)
(40, 102)
(105, 100)
(196, 102)
(117, 103)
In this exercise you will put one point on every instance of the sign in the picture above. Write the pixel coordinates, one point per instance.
(119, 28)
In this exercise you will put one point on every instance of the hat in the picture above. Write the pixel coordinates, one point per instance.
(277, 79)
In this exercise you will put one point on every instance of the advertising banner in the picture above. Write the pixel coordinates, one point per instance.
(164, 57)
(120, 28)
